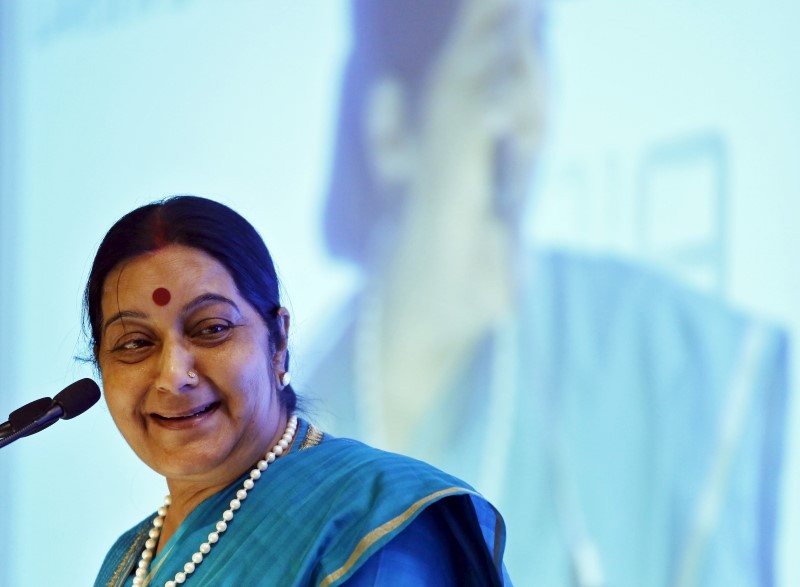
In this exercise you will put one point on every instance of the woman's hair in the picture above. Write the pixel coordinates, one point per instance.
(202, 224)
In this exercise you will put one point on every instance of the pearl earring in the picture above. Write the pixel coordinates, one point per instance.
(286, 378)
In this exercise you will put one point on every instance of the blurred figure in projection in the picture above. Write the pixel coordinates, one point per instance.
(629, 429)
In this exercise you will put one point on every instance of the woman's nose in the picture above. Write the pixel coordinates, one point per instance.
(176, 372)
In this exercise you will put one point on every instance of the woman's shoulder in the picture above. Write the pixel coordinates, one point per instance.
(366, 485)
(359, 463)
(360, 482)
(358, 498)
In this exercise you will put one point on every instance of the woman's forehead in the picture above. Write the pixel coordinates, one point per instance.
(163, 275)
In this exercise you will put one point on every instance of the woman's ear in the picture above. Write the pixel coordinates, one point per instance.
(280, 358)
(387, 133)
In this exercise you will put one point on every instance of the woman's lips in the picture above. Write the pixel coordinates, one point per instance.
(186, 419)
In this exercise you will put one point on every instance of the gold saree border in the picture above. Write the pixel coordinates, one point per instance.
(373, 536)
(128, 559)
(313, 437)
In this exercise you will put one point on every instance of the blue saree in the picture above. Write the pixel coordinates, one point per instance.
(330, 512)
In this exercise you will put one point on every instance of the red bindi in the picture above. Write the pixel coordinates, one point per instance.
(161, 296)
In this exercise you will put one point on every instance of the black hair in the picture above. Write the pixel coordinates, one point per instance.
(202, 224)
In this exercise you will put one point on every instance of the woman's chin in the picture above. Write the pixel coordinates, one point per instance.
(193, 461)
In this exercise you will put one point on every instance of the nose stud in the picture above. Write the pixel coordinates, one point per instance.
(191, 374)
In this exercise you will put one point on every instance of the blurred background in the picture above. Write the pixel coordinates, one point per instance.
(546, 246)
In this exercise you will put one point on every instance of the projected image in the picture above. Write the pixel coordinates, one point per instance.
(622, 421)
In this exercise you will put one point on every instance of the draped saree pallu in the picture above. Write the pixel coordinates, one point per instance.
(322, 514)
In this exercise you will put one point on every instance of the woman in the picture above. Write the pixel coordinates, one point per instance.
(191, 341)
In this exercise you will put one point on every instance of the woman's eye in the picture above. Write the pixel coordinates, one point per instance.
(132, 345)
(212, 330)
(132, 348)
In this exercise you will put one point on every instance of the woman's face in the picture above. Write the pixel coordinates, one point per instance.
(168, 313)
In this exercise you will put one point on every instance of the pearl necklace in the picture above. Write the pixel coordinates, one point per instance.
(221, 526)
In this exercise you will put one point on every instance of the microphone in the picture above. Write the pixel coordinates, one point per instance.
(37, 415)
(76, 398)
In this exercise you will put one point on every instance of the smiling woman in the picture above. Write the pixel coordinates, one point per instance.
(206, 428)
(191, 341)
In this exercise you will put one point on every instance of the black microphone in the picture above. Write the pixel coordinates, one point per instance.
(37, 415)
(76, 398)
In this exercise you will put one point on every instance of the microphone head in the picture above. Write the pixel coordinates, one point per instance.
(78, 397)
